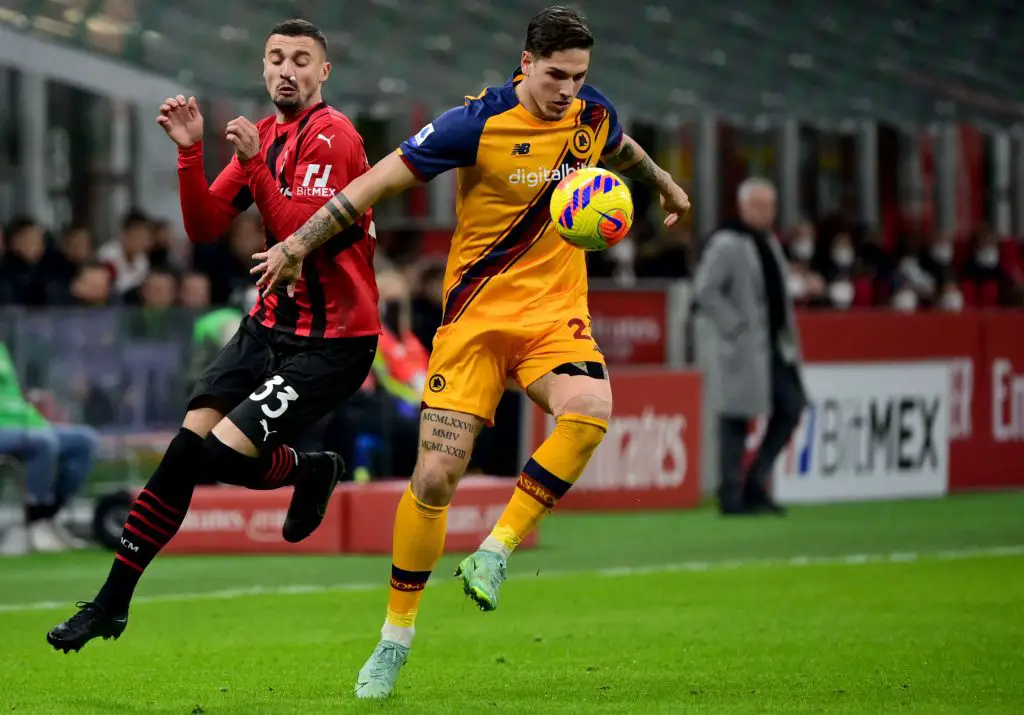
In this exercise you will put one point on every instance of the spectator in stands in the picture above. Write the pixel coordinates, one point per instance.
(57, 460)
(987, 274)
(428, 304)
(162, 251)
(382, 419)
(950, 299)
(938, 263)
(910, 275)
(664, 254)
(227, 263)
(156, 319)
(62, 265)
(195, 292)
(806, 286)
(876, 263)
(128, 258)
(92, 287)
(839, 270)
(23, 276)
(904, 297)
(740, 287)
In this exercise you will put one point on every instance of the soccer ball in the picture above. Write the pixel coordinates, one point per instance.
(592, 209)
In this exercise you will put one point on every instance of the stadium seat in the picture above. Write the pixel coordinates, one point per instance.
(894, 59)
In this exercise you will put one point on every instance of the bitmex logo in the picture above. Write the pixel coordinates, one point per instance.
(541, 175)
(315, 182)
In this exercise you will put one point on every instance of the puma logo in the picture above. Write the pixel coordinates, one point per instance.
(326, 139)
(266, 430)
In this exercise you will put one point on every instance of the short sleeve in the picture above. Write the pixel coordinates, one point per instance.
(448, 142)
(590, 94)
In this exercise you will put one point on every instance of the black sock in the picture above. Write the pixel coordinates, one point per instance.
(271, 470)
(38, 512)
(154, 518)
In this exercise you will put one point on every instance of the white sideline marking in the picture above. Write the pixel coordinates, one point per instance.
(686, 566)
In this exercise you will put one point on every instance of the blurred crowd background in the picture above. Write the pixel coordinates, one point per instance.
(892, 130)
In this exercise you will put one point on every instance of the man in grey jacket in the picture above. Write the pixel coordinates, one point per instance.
(741, 287)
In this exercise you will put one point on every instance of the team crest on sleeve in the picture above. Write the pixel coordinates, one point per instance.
(423, 134)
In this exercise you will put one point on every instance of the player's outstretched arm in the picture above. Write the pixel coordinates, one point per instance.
(388, 177)
(630, 160)
(283, 262)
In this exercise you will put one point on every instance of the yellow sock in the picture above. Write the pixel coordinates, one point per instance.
(553, 468)
(418, 543)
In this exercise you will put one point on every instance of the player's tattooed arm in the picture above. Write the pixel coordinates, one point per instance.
(630, 160)
(335, 216)
(281, 264)
(388, 177)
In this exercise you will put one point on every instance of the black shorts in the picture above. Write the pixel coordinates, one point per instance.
(273, 385)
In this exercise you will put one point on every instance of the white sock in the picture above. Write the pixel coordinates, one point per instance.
(497, 547)
(401, 635)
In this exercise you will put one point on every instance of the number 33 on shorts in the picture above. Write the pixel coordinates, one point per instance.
(284, 395)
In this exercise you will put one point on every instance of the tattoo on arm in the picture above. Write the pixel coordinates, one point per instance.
(336, 215)
(633, 162)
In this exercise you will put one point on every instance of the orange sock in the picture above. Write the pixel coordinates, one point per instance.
(418, 543)
(551, 471)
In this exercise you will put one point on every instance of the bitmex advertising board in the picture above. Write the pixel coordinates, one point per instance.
(984, 350)
(870, 431)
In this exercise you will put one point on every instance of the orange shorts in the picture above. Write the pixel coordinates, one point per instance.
(470, 360)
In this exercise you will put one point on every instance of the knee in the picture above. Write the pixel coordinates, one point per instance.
(596, 407)
(435, 478)
(44, 443)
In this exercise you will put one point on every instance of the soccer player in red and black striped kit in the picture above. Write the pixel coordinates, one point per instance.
(303, 349)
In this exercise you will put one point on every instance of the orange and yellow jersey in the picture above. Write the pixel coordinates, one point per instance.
(507, 261)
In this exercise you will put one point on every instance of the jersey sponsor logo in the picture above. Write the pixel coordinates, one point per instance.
(314, 183)
(326, 139)
(423, 134)
(521, 149)
(541, 175)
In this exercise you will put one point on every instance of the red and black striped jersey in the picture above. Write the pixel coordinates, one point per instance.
(302, 163)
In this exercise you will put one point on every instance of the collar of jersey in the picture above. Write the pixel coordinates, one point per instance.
(299, 117)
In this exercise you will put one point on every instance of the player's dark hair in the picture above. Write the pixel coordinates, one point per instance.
(300, 28)
(557, 28)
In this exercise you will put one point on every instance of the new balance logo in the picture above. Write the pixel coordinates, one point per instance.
(328, 140)
(521, 149)
(315, 182)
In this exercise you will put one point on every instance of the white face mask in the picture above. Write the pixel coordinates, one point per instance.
(802, 249)
(987, 257)
(942, 252)
(905, 301)
(797, 285)
(952, 301)
(841, 294)
(842, 256)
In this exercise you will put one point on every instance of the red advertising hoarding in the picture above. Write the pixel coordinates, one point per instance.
(630, 325)
(650, 458)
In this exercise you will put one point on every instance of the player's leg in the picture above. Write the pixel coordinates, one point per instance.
(565, 375)
(250, 444)
(446, 443)
(467, 373)
(159, 509)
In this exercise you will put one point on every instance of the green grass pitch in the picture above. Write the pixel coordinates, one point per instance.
(906, 607)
